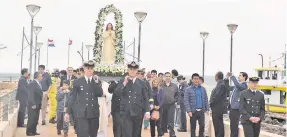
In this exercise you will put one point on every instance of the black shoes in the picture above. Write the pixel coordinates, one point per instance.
(32, 134)
(59, 132)
(52, 121)
(181, 130)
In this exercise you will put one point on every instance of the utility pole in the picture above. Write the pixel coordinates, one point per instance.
(83, 49)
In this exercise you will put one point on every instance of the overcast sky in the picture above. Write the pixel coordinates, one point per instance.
(170, 32)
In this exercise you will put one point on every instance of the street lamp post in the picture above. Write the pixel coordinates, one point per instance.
(261, 59)
(37, 30)
(33, 10)
(232, 28)
(140, 16)
(39, 45)
(89, 48)
(203, 35)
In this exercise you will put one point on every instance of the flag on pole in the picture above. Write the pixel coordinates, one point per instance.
(70, 42)
(51, 43)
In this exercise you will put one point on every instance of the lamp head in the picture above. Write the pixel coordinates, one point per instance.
(140, 16)
(89, 46)
(37, 29)
(232, 27)
(204, 35)
(39, 45)
(33, 9)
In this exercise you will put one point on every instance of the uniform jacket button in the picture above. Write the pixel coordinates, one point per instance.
(87, 104)
(92, 99)
(87, 98)
(87, 93)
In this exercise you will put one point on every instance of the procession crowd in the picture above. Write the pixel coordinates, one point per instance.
(138, 99)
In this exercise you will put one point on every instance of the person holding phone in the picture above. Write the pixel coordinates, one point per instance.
(233, 105)
(134, 102)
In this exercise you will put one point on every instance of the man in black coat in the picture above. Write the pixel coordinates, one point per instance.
(22, 96)
(140, 75)
(84, 97)
(35, 95)
(134, 102)
(115, 108)
(217, 104)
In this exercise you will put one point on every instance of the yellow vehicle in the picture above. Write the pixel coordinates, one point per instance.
(273, 84)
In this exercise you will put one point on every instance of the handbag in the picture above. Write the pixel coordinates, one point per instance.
(155, 115)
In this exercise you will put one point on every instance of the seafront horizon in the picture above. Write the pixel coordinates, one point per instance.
(209, 80)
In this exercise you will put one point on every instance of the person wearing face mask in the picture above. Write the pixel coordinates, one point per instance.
(252, 109)
(134, 102)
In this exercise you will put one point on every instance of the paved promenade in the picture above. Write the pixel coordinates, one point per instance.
(50, 130)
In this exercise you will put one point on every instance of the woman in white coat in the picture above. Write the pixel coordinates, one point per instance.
(103, 102)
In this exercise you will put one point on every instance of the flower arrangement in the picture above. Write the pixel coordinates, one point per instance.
(118, 31)
(116, 70)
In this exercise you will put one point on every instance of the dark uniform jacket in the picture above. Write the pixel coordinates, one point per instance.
(251, 105)
(134, 98)
(116, 98)
(35, 94)
(84, 97)
(149, 91)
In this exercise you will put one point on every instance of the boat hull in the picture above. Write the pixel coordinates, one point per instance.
(275, 109)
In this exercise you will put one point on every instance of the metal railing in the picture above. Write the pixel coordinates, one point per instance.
(8, 104)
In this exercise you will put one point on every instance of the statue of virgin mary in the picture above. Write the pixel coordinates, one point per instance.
(108, 47)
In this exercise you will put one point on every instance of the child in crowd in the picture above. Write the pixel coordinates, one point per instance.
(62, 97)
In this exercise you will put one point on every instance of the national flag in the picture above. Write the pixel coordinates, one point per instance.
(70, 42)
(51, 43)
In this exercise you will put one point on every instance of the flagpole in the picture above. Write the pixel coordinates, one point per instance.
(47, 54)
(68, 55)
(22, 48)
(83, 49)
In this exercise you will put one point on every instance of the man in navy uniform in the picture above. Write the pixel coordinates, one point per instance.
(134, 102)
(84, 97)
(252, 109)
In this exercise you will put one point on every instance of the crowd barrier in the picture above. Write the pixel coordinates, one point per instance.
(8, 114)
